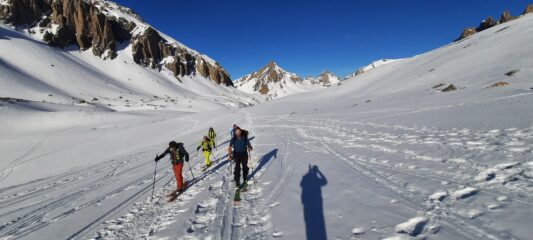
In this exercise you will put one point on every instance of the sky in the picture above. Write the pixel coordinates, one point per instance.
(309, 36)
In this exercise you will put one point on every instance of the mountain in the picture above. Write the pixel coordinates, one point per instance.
(67, 51)
(272, 81)
(371, 66)
(436, 146)
(325, 79)
(449, 131)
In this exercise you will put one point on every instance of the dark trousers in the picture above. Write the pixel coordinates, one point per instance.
(241, 159)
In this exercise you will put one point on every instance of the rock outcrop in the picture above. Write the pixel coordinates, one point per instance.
(529, 9)
(486, 24)
(490, 22)
(506, 17)
(150, 49)
(466, 33)
(23, 12)
(89, 25)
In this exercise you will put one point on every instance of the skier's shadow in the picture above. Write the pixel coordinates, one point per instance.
(311, 184)
(264, 160)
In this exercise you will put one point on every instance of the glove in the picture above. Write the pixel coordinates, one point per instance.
(156, 158)
(198, 148)
(186, 159)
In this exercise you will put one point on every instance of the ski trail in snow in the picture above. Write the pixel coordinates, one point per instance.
(416, 201)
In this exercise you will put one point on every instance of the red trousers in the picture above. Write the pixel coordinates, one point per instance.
(177, 172)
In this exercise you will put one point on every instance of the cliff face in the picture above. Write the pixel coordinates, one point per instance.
(90, 25)
(150, 49)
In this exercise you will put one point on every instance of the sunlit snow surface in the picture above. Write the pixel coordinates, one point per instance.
(395, 157)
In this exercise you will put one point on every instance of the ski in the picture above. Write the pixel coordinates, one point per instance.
(176, 193)
(173, 198)
(204, 168)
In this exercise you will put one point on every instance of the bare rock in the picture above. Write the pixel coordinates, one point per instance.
(23, 12)
(506, 17)
(449, 88)
(512, 72)
(486, 24)
(499, 84)
(466, 33)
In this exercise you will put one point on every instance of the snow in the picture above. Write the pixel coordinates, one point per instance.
(355, 161)
(413, 226)
(438, 196)
(464, 193)
(65, 77)
(371, 66)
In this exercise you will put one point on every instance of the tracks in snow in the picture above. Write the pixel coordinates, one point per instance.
(443, 214)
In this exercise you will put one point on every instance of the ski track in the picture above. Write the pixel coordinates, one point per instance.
(473, 156)
(309, 128)
(148, 218)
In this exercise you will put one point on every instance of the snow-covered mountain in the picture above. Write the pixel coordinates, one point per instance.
(436, 146)
(325, 79)
(371, 66)
(272, 81)
(79, 51)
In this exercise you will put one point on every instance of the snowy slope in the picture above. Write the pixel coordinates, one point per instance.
(371, 66)
(457, 164)
(34, 71)
(385, 155)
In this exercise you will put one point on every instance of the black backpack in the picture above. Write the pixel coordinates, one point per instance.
(245, 133)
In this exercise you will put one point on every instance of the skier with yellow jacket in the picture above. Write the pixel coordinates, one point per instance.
(205, 145)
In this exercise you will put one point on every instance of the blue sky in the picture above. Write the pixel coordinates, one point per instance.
(309, 36)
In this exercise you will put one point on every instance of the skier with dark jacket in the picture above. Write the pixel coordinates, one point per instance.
(178, 154)
(238, 152)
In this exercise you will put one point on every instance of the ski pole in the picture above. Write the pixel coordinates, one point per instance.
(252, 165)
(190, 169)
(155, 172)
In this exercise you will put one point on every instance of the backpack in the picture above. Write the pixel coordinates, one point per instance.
(245, 133)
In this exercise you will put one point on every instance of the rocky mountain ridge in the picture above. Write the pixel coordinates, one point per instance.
(491, 22)
(104, 27)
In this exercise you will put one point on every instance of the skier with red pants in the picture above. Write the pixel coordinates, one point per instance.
(177, 155)
(241, 145)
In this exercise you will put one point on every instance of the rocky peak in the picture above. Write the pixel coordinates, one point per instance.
(99, 25)
(271, 72)
(269, 80)
(326, 78)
